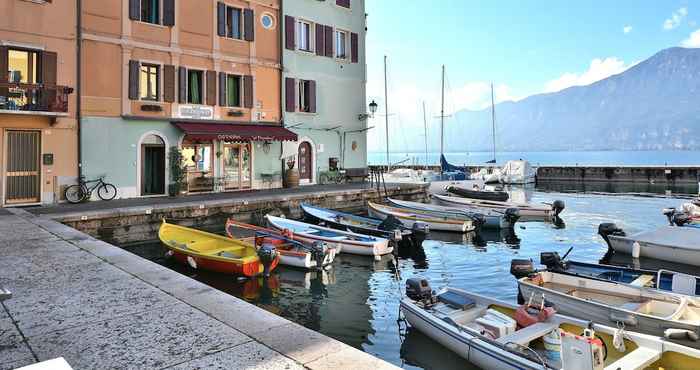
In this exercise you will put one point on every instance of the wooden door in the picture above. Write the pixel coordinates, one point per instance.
(153, 175)
(305, 161)
(23, 167)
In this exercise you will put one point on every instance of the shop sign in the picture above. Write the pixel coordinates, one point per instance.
(195, 112)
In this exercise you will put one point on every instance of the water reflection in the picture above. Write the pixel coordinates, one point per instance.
(619, 187)
(419, 351)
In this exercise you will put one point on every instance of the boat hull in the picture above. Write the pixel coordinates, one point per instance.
(364, 229)
(499, 196)
(250, 269)
(437, 226)
(656, 250)
(304, 259)
(526, 212)
(491, 219)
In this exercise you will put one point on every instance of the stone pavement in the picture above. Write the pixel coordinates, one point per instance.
(102, 307)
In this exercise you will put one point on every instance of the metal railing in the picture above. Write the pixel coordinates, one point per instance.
(34, 97)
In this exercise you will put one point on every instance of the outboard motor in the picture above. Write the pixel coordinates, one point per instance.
(318, 252)
(669, 213)
(419, 232)
(390, 223)
(479, 220)
(521, 268)
(558, 206)
(418, 289)
(680, 219)
(553, 261)
(512, 215)
(267, 253)
(607, 228)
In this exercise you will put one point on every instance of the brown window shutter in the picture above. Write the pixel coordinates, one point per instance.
(134, 66)
(320, 39)
(135, 10)
(221, 19)
(290, 94)
(49, 72)
(248, 91)
(182, 84)
(312, 96)
(169, 13)
(169, 83)
(354, 47)
(343, 3)
(248, 25)
(211, 87)
(329, 41)
(289, 24)
(222, 89)
(3, 64)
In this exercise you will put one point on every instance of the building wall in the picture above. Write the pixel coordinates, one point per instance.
(340, 86)
(33, 25)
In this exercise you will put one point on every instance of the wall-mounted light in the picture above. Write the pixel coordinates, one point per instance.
(266, 146)
(372, 109)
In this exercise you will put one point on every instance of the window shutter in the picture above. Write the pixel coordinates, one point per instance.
(169, 13)
(169, 83)
(329, 41)
(221, 19)
(222, 89)
(312, 96)
(134, 10)
(290, 94)
(289, 25)
(354, 47)
(248, 24)
(3, 64)
(320, 39)
(48, 67)
(211, 87)
(182, 84)
(248, 91)
(134, 66)
(343, 3)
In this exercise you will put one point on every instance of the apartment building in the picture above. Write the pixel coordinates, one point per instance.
(38, 133)
(324, 85)
(201, 75)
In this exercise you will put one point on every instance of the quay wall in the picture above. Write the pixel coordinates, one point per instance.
(122, 226)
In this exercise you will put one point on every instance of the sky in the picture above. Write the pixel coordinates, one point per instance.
(522, 47)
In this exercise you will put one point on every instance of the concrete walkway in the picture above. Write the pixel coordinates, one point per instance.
(101, 307)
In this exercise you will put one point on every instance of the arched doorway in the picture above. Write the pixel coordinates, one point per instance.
(305, 162)
(152, 165)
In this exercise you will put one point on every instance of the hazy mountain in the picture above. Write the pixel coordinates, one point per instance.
(653, 105)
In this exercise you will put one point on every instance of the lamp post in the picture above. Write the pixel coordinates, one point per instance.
(372, 110)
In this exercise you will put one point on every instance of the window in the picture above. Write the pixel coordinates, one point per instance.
(149, 78)
(304, 96)
(233, 91)
(233, 23)
(150, 11)
(194, 87)
(22, 66)
(304, 32)
(268, 22)
(341, 42)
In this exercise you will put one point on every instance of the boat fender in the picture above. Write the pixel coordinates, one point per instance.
(636, 249)
(680, 334)
(192, 262)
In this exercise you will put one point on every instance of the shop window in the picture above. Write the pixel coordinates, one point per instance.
(194, 87)
(149, 87)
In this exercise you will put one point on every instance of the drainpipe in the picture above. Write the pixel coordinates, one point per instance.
(78, 83)
(280, 40)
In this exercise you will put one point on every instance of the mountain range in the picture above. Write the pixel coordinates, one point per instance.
(654, 105)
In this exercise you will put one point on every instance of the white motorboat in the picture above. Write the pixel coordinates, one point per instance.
(492, 219)
(667, 243)
(409, 217)
(527, 211)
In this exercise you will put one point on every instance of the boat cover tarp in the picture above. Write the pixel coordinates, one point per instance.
(517, 171)
(680, 237)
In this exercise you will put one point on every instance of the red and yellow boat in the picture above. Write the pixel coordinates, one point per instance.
(206, 251)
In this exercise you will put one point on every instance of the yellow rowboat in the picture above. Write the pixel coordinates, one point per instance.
(206, 251)
(410, 216)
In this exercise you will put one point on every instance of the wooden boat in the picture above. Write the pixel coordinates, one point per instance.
(668, 243)
(387, 229)
(347, 242)
(499, 196)
(299, 252)
(483, 330)
(527, 211)
(492, 219)
(410, 217)
(640, 309)
(202, 250)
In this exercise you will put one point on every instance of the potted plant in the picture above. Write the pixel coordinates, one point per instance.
(177, 172)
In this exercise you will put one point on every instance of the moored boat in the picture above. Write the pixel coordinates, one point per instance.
(499, 196)
(527, 211)
(493, 334)
(301, 252)
(491, 219)
(203, 250)
(409, 217)
(667, 243)
(347, 242)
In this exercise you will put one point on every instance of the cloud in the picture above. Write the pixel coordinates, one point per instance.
(627, 29)
(476, 95)
(598, 70)
(676, 18)
(693, 41)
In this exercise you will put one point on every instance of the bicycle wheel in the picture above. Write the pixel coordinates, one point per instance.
(75, 193)
(107, 191)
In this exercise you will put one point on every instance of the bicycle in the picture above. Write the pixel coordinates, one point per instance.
(332, 177)
(81, 191)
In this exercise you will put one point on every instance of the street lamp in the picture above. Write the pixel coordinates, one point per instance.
(372, 109)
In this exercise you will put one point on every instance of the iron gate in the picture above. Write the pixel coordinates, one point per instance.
(23, 167)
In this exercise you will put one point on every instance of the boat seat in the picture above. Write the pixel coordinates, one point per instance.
(527, 335)
(640, 358)
(642, 280)
(633, 306)
(456, 300)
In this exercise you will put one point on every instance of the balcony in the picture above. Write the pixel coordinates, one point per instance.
(38, 99)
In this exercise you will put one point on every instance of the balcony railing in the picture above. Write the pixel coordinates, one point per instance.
(34, 97)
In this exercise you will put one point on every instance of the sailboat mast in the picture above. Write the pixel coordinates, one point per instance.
(425, 130)
(442, 114)
(493, 123)
(386, 118)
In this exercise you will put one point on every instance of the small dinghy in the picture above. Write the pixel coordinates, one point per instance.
(527, 211)
(648, 311)
(347, 242)
(499, 196)
(437, 222)
(298, 252)
(389, 228)
(202, 250)
(667, 243)
(492, 219)
(493, 334)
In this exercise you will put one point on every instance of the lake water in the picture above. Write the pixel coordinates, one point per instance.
(357, 301)
(657, 158)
